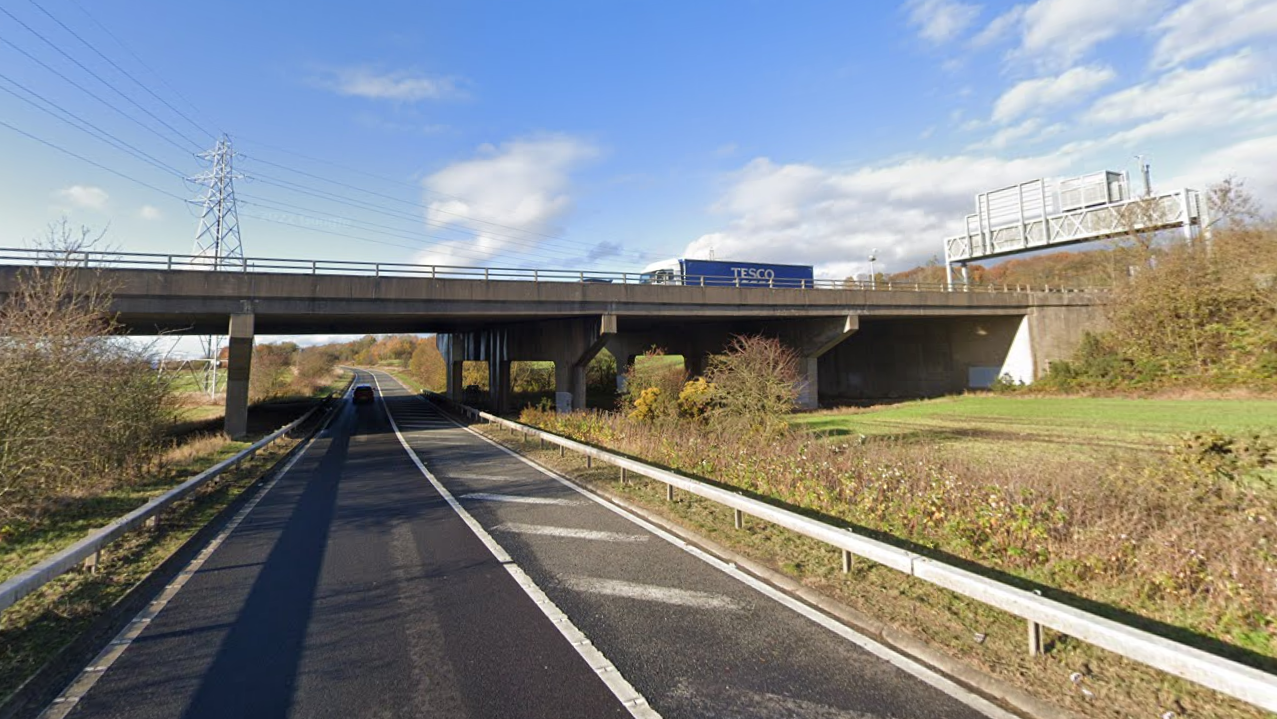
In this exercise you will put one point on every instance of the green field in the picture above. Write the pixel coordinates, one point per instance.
(1047, 428)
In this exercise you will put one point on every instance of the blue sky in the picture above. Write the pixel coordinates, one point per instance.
(610, 134)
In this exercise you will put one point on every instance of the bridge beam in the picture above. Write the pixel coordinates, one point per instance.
(239, 362)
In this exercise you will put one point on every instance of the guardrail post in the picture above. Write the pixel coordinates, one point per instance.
(561, 451)
(624, 475)
(669, 492)
(739, 517)
(1035, 638)
(91, 562)
(542, 445)
(847, 560)
(589, 462)
(153, 521)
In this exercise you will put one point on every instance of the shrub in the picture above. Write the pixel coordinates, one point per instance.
(756, 380)
(79, 409)
(696, 399)
(653, 371)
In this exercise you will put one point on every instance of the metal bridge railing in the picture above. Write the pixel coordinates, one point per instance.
(1218, 673)
(152, 261)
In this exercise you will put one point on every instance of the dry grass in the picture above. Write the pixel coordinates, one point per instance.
(969, 631)
(1163, 540)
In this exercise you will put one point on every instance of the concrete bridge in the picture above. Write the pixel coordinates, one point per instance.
(854, 343)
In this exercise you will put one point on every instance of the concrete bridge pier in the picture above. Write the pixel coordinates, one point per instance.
(499, 385)
(812, 339)
(576, 342)
(239, 361)
(695, 364)
(455, 374)
(625, 349)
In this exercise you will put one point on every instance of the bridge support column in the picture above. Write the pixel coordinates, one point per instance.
(499, 385)
(812, 338)
(695, 364)
(577, 345)
(625, 350)
(808, 395)
(455, 374)
(239, 361)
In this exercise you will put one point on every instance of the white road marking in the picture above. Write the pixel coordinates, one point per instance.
(701, 700)
(568, 532)
(630, 698)
(890, 656)
(651, 593)
(516, 499)
(80, 686)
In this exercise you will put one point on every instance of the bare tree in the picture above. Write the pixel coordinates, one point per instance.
(79, 407)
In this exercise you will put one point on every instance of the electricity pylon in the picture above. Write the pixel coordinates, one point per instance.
(217, 241)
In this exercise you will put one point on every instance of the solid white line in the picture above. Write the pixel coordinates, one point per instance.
(80, 686)
(892, 657)
(629, 697)
(568, 532)
(651, 593)
(516, 499)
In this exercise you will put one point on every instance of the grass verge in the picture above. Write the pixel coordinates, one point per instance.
(1076, 676)
(34, 631)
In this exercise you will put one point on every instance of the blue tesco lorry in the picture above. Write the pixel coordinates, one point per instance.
(725, 273)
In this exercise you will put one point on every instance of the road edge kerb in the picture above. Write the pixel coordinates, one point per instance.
(981, 683)
(35, 693)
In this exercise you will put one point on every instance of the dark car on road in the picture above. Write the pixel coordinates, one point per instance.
(363, 394)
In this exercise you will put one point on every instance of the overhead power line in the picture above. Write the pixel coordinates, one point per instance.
(94, 95)
(390, 212)
(469, 218)
(141, 62)
(84, 126)
(454, 245)
(97, 77)
(98, 165)
(126, 73)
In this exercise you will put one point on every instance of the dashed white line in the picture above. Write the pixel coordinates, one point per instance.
(568, 532)
(651, 593)
(892, 657)
(604, 669)
(517, 499)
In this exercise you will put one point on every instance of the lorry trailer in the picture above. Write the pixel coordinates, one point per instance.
(726, 273)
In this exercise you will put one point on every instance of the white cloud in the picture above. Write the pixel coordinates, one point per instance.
(150, 213)
(523, 184)
(941, 20)
(1056, 33)
(84, 196)
(1030, 131)
(1233, 93)
(1000, 27)
(834, 218)
(1045, 95)
(1254, 161)
(1223, 80)
(1200, 27)
(400, 85)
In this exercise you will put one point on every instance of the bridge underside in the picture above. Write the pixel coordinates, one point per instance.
(852, 344)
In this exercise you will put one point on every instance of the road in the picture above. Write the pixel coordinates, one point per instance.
(405, 566)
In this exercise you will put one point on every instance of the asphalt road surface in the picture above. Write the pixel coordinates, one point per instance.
(460, 581)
